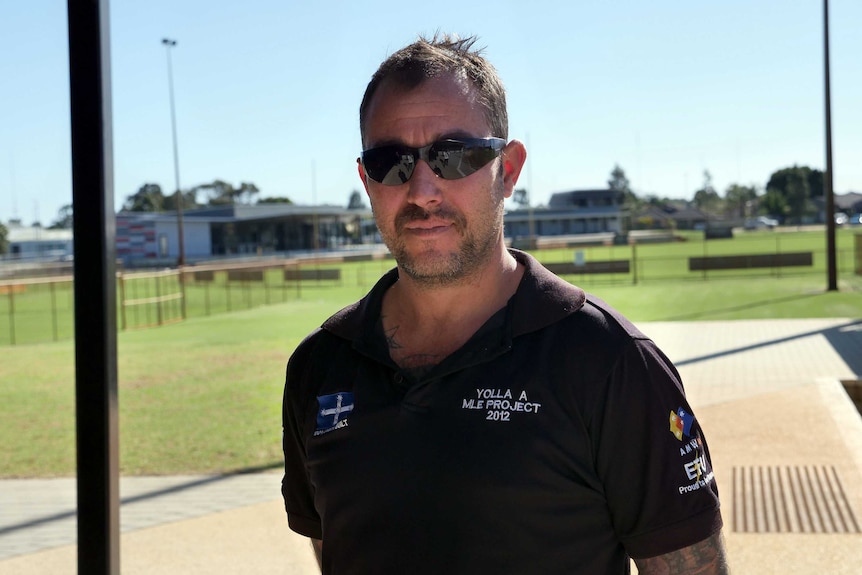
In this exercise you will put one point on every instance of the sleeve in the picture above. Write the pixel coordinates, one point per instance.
(652, 457)
(296, 487)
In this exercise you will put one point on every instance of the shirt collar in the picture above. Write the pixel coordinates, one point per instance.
(541, 299)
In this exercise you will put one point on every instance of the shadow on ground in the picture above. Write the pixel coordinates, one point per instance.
(707, 314)
(845, 339)
(197, 482)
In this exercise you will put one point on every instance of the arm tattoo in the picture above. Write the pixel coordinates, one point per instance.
(707, 557)
(317, 545)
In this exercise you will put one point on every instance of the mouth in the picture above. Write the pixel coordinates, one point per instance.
(416, 221)
(426, 228)
(426, 224)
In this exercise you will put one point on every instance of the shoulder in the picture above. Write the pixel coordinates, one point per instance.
(542, 298)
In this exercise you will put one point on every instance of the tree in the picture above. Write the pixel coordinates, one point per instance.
(4, 239)
(521, 198)
(218, 193)
(274, 200)
(189, 201)
(356, 201)
(148, 198)
(221, 193)
(816, 183)
(64, 219)
(618, 182)
(773, 203)
(737, 200)
(706, 198)
(246, 192)
(793, 187)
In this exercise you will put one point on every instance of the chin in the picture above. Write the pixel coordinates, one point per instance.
(436, 268)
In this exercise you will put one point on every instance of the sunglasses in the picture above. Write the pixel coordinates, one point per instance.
(450, 159)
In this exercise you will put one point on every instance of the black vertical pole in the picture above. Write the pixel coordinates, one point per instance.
(95, 296)
(832, 269)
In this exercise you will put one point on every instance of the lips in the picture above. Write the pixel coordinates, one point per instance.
(427, 225)
(417, 220)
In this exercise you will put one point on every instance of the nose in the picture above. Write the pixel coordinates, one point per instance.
(424, 187)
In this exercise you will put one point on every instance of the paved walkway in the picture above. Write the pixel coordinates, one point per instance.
(786, 444)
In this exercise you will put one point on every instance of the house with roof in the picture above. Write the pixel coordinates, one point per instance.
(669, 216)
(38, 243)
(569, 213)
(849, 203)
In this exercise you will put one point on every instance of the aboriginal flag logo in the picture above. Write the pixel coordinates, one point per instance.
(680, 423)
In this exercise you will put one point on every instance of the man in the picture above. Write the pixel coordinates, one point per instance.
(474, 413)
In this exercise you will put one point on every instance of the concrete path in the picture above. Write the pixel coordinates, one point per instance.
(786, 445)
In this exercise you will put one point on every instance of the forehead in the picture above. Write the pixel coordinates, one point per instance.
(445, 105)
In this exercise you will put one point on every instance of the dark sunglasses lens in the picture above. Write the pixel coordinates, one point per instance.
(453, 159)
(449, 159)
(389, 165)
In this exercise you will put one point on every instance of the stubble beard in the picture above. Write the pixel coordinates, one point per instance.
(430, 267)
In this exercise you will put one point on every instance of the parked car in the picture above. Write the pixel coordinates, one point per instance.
(840, 218)
(760, 223)
(855, 220)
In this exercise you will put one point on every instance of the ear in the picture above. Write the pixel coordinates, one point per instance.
(362, 176)
(514, 155)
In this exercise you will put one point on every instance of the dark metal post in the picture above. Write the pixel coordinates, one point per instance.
(95, 296)
(832, 269)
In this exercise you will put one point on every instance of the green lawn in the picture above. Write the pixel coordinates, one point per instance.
(195, 397)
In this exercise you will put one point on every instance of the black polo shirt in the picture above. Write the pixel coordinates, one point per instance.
(557, 440)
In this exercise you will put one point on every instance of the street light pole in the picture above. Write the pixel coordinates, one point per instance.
(181, 259)
(831, 264)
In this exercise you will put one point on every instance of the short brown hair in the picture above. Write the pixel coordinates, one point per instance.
(443, 54)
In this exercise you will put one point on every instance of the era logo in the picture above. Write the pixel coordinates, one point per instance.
(696, 468)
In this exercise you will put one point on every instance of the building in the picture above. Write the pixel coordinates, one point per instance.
(36, 243)
(151, 238)
(849, 203)
(670, 216)
(569, 213)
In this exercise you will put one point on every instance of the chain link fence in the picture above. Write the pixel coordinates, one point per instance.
(41, 309)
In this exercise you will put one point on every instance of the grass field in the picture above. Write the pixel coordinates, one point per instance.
(203, 395)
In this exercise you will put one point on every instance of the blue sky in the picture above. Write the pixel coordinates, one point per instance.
(267, 91)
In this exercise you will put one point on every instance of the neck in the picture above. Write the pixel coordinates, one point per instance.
(423, 324)
(488, 286)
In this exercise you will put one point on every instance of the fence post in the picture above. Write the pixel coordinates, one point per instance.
(158, 279)
(122, 301)
(11, 314)
(182, 292)
(858, 258)
(778, 251)
(54, 310)
(634, 263)
(207, 296)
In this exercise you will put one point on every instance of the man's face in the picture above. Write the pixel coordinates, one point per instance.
(440, 231)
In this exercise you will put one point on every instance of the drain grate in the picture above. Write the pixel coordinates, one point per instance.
(788, 499)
